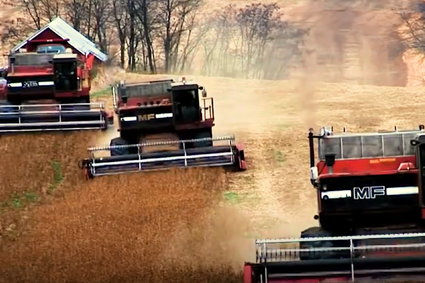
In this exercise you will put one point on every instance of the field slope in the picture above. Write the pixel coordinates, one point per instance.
(180, 225)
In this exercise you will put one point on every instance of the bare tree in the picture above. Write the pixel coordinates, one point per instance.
(41, 11)
(256, 23)
(120, 14)
(169, 34)
(217, 43)
(75, 10)
(144, 13)
(51, 9)
(101, 16)
(193, 37)
(414, 20)
(239, 39)
(174, 23)
(87, 26)
(132, 35)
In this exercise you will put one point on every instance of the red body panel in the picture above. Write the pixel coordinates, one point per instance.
(3, 85)
(369, 166)
(242, 163)
(136, 102)
(247, 273)
(312, 280)
(48, 72)
(27, 71)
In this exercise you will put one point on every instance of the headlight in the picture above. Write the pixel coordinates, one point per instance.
(15, 85)
(163, 115)
(129, 119)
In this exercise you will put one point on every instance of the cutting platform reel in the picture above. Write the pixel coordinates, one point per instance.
(344, 258)
(119, 159)
(53, 117)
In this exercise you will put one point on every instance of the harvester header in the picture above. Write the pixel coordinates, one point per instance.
(348, 259)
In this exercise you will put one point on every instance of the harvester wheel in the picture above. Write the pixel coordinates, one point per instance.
(202, 135)
(119, 151)
(313, 232)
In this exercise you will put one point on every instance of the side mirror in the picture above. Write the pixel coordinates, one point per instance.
(123, 93)
(329, 159)
(204, 93)
(414, 142)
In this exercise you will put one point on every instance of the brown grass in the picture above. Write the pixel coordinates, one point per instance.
(27, 160)
(109, 229)
(114, 228)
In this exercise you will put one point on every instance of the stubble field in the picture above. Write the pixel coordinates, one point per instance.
(180, 225)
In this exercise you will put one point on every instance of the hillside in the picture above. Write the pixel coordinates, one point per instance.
(197, 224)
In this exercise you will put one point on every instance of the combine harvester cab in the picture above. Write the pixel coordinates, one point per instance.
(371, 216)
(47, 89)
(163, 124)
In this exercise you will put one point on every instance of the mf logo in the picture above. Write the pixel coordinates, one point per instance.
(30, 84)
(146, 117)
(368, 192)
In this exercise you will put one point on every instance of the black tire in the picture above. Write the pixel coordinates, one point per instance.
(313, 232)
(119, 151)
(201, 135)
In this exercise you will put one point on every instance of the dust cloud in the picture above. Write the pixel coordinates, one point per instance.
(355, 41)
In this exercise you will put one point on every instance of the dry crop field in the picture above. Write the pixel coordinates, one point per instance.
(180, 225)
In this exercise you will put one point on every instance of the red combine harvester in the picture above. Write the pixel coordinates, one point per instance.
(47, 88)
(370, 192)
(163, 124)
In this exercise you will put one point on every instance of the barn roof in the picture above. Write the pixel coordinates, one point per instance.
(75, 39)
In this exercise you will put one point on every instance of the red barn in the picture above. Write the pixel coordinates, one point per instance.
(53, 63)
(61, 32)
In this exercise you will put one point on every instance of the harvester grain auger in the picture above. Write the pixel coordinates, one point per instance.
(47, 89)
(163, 124)
(370, 192)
